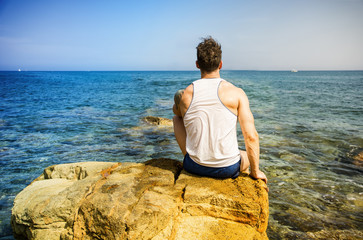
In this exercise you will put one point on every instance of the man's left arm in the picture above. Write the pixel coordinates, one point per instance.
(177, 99)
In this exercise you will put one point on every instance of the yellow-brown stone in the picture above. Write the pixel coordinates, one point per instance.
(151, 200)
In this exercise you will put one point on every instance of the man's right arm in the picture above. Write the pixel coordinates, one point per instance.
(250, 135)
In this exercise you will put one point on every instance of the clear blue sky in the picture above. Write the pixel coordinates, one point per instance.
(162, 35)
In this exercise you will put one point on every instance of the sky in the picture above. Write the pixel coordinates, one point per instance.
(87, 35)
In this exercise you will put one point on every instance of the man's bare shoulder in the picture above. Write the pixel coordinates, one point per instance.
(189, 90)
(231, 90)
(183, 94)
(182, 99)
(187, 96)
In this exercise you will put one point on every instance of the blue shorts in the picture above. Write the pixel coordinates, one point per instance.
(221, 172)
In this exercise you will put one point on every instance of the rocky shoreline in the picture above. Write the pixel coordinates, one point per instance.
(151, 200)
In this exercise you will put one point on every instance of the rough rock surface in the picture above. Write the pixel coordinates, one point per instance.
(158, 121)
(151, 200)
(358, 159)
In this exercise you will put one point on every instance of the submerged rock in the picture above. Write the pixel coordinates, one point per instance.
(151, 200)
(336, 234)
(158, 121)
(358, 159)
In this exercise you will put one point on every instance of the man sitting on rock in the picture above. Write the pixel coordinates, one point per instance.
(205, 122)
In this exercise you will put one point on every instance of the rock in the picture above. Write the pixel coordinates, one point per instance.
(158, 121)
(336, 234)
(358, 159)
(151, 200)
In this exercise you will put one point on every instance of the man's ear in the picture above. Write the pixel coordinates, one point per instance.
(220, 64)
(197, 64)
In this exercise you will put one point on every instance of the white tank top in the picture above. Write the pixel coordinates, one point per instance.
(211, 127)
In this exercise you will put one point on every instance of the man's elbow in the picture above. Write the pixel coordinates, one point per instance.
(252, 137)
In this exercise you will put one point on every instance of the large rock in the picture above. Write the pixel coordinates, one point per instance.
(358, 159)
(151, 200)
(159, 121)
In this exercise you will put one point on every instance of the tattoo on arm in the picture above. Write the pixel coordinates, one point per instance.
(177, 97)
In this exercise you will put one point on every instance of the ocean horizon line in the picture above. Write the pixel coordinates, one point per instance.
(196, 70)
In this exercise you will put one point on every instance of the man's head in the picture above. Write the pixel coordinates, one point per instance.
(209, 55)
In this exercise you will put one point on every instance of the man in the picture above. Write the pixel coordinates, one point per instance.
(205, 122)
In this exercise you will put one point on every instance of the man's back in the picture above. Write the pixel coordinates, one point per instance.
(210, 126)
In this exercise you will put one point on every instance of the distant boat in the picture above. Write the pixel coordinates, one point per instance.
(293, 70)
(19, 70)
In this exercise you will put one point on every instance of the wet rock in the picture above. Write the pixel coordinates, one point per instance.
(336, 234)
(358, 159)
(158, 121)
(356, 199)
(151, 200)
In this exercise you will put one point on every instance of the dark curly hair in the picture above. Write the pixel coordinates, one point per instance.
(209, 54)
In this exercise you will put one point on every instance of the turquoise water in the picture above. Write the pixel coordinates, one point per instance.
(310, 126)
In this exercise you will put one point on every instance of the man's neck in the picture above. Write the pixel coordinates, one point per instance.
(214, 74)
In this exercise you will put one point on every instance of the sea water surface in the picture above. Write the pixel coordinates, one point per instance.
(310, 126)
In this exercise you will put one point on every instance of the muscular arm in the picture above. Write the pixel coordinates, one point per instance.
(250, 135)
(182, 100)
(177, 98)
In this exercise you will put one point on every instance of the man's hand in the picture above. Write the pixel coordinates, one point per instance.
(259, 175)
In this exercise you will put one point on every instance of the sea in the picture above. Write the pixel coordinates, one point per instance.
(310, 125)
